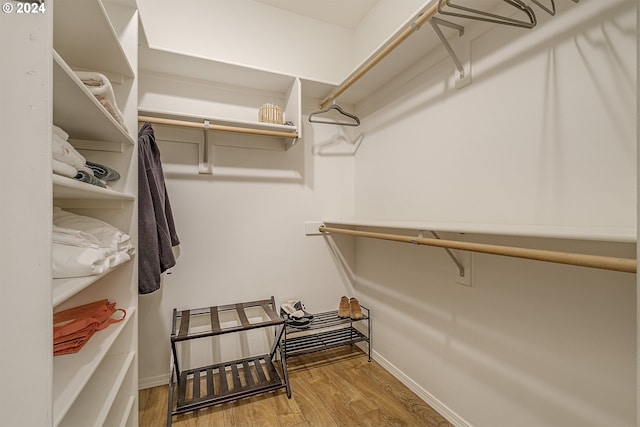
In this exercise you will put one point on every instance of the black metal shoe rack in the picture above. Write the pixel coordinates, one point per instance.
(326, 331)
(205, 386)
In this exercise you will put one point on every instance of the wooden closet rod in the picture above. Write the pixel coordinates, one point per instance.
(221, 128)
(422, 18)
(626, 265)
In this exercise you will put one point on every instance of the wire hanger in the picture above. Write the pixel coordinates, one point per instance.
(550, 10)
(481, 15)
(341, 111)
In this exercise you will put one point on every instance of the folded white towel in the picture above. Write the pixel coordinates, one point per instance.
(108, 235)
(67, 236)
(60, 132)
(75, 261)
(100, 87)
(85, 246)
(63, 151)
(64, 169)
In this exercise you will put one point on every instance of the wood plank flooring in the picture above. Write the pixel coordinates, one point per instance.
(329, 389)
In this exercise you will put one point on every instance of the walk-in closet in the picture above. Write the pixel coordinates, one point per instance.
(319, 213)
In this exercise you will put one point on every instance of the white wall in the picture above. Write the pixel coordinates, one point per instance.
(242, 233)
(545, 135)
(249, 33)
(386, 17)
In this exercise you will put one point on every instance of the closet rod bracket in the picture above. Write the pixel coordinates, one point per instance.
(462, 45)
(455, 260)
(204, 165)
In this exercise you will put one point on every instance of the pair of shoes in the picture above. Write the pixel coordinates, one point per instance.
(298, 323)
(350, 308)
(293, 311)
(294, 308)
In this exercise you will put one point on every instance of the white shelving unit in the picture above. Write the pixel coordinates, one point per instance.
(229, 95)
(98, 385)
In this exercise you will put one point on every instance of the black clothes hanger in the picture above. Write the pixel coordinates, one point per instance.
(341, 111)
(481, 15)
(550, 10)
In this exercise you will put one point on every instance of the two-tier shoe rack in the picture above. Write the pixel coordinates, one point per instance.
(328, 330)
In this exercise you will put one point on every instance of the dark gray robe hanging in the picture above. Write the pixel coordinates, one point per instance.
(156, 229)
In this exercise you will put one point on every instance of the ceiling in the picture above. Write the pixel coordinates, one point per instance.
(344, 13)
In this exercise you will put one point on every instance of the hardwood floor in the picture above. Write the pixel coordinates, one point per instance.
(329, 389)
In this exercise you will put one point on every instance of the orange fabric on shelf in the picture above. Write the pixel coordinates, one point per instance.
(73, 327)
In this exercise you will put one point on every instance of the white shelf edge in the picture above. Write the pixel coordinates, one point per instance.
(113, 370)
(78, 369)
(118, 63)
(69, 188)
(129, 71)
(190, 66)
(117, 133)
(116, 385)
(128, 411)
(217, 120)
(613, 234)
(63, 289)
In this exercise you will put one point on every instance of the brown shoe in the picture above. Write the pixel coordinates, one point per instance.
(356, 311)
(343, 308)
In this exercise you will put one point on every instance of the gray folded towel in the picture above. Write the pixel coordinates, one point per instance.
(90, 179)
(103, 172)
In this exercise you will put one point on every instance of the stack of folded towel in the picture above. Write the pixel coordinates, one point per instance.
(67, 161)
(100, 87)
(85, 246)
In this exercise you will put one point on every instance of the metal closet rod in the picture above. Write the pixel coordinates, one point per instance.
(422, 18)
(221, 128)
(625, 265)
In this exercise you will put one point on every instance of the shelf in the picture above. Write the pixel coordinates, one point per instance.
(63, 289)
(224, 382)
(221, 121)
(406, 55)
(78, 112)
(421, 49)
(182, 320)
(192, 89)
(73, 371)
(98, 396)
(126, 416)
(210, 70)
(327, 319)
(323, 341)
(612, 234)
(332, 331)
(78, 25)
(69, 188)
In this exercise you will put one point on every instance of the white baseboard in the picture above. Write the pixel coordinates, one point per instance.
(423, 394)
(153, 381)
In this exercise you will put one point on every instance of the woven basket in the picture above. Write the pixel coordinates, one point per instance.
(269, 113)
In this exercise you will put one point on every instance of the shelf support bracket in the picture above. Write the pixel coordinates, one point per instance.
(455, 260)
(464, 69)
(204, 165)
